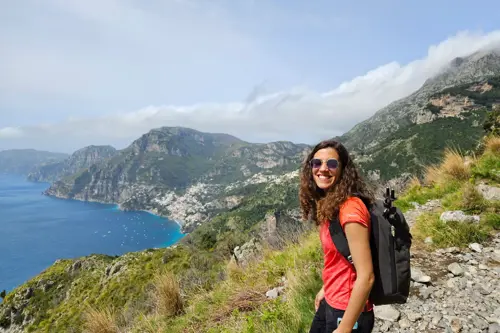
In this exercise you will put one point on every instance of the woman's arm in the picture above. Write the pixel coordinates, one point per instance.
(358, 238)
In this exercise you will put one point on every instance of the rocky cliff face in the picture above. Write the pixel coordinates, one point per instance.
(371, 132)
(184, 174)
(78, 161)
(448, 110)
(180, 173)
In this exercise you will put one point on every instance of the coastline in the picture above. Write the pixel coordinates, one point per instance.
(179, 223)
(119, 207)
(87, 218)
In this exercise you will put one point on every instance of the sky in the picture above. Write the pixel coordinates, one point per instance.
(75, 73)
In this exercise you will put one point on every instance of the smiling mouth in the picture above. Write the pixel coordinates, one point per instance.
(323, 177)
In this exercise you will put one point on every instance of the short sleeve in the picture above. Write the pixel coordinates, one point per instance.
(354, 210)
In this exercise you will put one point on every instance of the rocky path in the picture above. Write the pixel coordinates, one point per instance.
(453, 290)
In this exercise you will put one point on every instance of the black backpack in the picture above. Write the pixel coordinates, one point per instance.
(390, 243)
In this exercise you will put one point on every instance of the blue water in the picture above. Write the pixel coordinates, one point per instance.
(36, 230)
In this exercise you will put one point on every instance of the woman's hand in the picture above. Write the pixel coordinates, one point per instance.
(319, 296)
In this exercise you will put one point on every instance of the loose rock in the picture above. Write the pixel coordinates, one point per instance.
(455, 269)
(459, 216)
(476, 247)
(386, 312)
(418, 276)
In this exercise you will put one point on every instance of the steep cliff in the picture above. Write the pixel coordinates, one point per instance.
(180, 173)
(448, 110)
(78, 161)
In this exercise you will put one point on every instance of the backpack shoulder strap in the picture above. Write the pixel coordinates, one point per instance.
(339, 239)
(338, 236)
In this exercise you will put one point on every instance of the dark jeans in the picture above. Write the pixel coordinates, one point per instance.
(325, 320)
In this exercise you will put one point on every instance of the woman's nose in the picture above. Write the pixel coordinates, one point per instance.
(323, 167)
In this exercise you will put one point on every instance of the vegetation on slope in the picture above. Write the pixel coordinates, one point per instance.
(55, 300)
(195, 287)
(455, 182)
(485, 98)
(409, 149)
(411, 146)
(172, 158)
(79, 161)
(238, 304)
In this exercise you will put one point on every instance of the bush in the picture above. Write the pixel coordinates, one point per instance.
(492, 144)
(492, 220)
(472, 200)
(167, 295)
(488, 166)
(454, 166)
(100, 321)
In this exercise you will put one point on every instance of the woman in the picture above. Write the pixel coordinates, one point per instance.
(329, 181)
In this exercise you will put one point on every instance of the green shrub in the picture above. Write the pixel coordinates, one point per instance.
(487, 167)
(492, 220)
(445, 234)
(472, 200)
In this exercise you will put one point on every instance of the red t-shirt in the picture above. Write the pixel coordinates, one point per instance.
(338, 274)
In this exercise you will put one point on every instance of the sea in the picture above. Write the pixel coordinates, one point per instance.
(36, 230)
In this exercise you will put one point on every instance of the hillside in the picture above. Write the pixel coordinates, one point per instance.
(180, 173)
(76, 163)
(187, 175)
(257, 267)
(59, 293)
(448, 110)
(23, 161)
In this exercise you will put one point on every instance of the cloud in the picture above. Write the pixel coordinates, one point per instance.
(110, 55)
(10, 132)
(190, 43)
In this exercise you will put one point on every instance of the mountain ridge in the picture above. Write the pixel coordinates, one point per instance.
(477, 66)
(391, 137)
(81, 159)
(23, 161)
(170, 170)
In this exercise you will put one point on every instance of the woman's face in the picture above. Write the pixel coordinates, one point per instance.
(325, 166)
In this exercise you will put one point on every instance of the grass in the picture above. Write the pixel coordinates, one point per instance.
(195, 288)
(454, 181)
(445, 234)
(492, 145)
(100, 321)
(453, 167)
(488, 166)
(239, 303)
(167, 295)
(421, 194)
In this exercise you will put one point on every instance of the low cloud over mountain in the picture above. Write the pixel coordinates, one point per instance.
(298, 114)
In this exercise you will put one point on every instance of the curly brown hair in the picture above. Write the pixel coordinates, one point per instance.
(320, 205)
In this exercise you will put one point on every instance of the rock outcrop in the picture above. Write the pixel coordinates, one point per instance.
(180, 173)
(412, 131)
(80, 160)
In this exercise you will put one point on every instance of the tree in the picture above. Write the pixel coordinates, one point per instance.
(3, 294)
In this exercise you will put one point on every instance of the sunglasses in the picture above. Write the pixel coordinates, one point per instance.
(331, 163)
